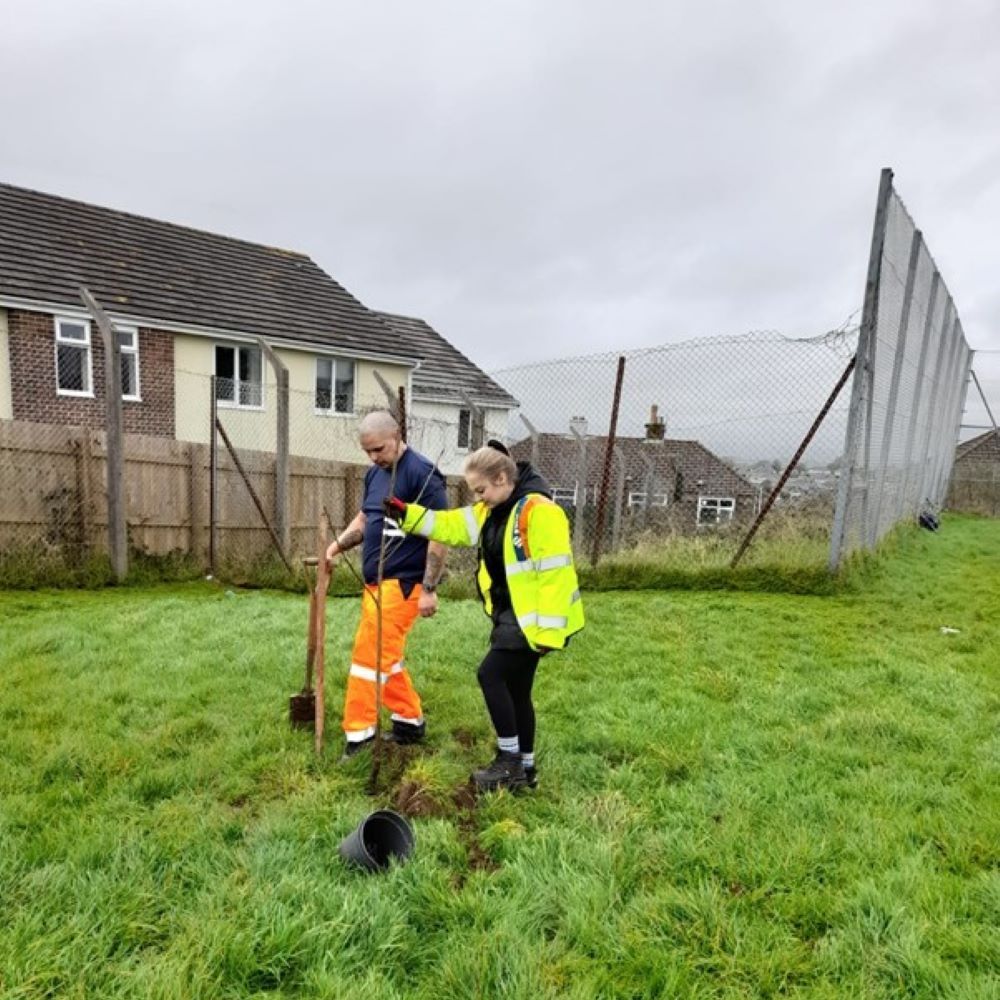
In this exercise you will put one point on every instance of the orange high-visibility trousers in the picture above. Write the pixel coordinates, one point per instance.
(398, 694)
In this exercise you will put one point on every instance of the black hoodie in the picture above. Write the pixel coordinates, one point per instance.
(491, 537)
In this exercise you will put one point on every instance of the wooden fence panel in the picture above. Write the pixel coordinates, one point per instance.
(53, 495)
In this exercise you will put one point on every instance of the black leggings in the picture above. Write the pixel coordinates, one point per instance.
(506, 677)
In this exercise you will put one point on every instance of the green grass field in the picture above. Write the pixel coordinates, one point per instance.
(742, 795)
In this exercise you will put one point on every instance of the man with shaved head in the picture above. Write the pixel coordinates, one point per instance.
(412, 570)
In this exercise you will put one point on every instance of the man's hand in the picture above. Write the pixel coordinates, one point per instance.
(427, 604)
(333, 549)
(394, 508)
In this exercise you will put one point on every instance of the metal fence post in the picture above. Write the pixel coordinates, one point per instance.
(863, 372)
(874, 526)
(115, 438)
(616, 519)
(534, 439)
(919, 394)
(213, 480)
(282, 481)
(602, 498)
(932, 402)
(581, 494)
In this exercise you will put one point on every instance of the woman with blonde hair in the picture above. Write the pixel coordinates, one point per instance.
(528, 587)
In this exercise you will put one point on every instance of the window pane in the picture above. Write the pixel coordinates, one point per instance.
(126, 339)
(251, 394)
(250, 365)
(225, 389)
(463, 428)
(344, 388)
(72, 368)
(130, 380)
(224, 364)
(72, 331)
(324, 383)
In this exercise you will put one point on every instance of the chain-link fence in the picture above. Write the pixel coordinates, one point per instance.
(703, 431)
(909, 387)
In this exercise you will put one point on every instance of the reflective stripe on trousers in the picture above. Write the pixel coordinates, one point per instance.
(398, 693)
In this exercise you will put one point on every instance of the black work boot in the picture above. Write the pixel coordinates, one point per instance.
(506, 771)
(405, 733)
(353, 747)
(531, 777)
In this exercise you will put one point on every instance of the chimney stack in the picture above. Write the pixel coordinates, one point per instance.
(656, 429)
(578, 424)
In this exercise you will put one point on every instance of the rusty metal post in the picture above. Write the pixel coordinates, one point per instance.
(776, 492)
(602, 497)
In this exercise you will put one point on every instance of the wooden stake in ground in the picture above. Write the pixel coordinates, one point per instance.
(377, 747)
(322, 585)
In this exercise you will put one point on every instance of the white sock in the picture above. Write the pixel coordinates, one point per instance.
(528, 759)
(508, 744)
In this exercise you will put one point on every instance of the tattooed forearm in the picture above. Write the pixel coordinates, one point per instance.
(434, 566)
(350, 538)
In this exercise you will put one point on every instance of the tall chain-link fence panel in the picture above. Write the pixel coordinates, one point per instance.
(909, 387)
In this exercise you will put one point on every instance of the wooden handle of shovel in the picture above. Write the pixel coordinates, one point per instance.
(319, 631)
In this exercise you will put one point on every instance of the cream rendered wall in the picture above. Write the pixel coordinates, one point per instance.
(6, 401)
(434, 433)
(311, 434)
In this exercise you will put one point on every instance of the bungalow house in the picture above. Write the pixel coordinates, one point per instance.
(188, 305)
(975, 476)
(681, 479)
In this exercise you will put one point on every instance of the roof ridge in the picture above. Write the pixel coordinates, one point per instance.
(149, 218)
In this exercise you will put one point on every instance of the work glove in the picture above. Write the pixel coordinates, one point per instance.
(394, 508)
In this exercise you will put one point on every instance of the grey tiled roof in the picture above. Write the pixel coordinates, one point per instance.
(444, 372)
(983, 448)
(559, 462)
(153, 270)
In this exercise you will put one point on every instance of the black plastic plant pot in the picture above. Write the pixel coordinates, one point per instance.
(302, 710)
(377, 840)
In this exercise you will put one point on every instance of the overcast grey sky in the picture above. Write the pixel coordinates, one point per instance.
(535, 178)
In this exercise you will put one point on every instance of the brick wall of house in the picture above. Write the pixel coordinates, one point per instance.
(33, 379)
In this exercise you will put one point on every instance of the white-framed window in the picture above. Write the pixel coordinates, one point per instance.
(563, 495)
(74, 363)
(239, 376)
(464, 428)
(715, 510)
(638, 499)
(334, 385)
(128, 345)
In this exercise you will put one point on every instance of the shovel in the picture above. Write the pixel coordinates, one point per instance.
(306, 710)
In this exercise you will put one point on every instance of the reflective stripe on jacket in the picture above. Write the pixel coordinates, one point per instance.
(538, 561)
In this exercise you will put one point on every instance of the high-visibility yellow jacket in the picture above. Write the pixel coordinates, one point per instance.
(538, 561)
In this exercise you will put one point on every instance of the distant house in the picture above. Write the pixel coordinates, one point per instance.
(443, 425)
(975, 477)
(189, 305)
(682, 477)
